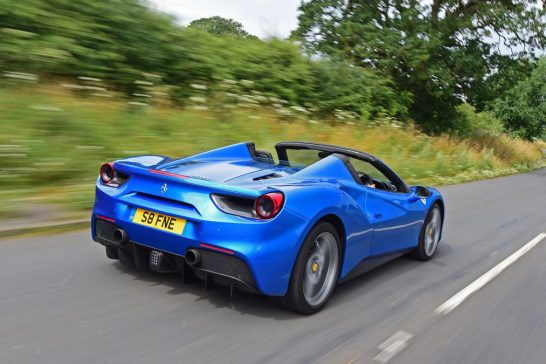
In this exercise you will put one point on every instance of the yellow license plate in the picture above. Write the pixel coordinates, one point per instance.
(159, 221)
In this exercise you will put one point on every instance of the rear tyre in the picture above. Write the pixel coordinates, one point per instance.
(316, 270)
(430, 235)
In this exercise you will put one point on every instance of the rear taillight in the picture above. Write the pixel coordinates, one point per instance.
(268, 206)
(264, 207)
(107, 173)
(110, 177)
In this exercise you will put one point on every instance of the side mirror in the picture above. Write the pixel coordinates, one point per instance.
(422, 192)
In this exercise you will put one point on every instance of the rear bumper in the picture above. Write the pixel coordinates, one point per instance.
(254, 255)
(221, 268)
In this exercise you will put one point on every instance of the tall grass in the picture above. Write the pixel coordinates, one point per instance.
(52, 142)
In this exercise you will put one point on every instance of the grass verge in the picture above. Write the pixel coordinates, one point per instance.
(53, 142)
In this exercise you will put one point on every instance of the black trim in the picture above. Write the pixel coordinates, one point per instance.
(374, 161)
(393, 177)
(371, 263)
(251, 149)
(283, 146)
(225, 265)
(222, 269)
(264, 157)
(352, 170)
(104, 233)
(244, 286)
(259, 155)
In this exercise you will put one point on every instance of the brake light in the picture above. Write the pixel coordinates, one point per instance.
(107, 173)
(110, 177)
(166, 173)
(268, 206)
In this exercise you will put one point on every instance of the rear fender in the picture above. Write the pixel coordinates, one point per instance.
(321, 191)
(319, 202)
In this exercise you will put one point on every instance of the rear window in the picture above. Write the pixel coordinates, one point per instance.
(303, 157)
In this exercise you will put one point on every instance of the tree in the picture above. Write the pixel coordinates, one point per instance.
(441, 52)
(505, 72)
(219, 26)
(523, 108)
(118, 41)
(342, 86)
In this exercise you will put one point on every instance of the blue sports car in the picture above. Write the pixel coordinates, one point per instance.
(291, 227)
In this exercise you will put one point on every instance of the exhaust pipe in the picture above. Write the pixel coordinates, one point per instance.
(193, 257)
(120, 236)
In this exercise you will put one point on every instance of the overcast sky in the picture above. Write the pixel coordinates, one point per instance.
(259, 17)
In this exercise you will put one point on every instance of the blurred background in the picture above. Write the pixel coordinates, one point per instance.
(444, 91)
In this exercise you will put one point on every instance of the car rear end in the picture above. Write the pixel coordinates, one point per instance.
(161, 219)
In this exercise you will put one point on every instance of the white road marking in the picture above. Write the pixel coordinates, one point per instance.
(392, 346)
(460, 297)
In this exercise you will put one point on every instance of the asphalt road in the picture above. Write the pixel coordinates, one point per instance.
(62, 301)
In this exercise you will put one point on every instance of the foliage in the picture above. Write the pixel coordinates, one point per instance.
(117, 40)
(355, 60)
(53, 142)
(441, 52)
(523, 108)
(130, 47)
(341, 86)
(471, 123)
(219, 26)
(505, 72)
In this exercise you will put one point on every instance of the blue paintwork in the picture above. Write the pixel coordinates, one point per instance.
(375, 222)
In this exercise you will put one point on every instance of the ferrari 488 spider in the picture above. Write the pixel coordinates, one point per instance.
(292, 227)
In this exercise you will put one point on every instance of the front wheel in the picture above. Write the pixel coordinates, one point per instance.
(430, 235)
(316, 270)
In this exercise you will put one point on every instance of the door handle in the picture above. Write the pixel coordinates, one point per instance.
(378, 215)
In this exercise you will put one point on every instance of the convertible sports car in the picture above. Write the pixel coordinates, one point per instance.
(291, 228)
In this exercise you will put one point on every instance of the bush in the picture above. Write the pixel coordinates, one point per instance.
(523, 108)
(471, 123)
(52, 139)
(123, 42)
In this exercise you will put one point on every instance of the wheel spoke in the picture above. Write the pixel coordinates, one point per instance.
(432, 232)
(322, 247)
(323, 257)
